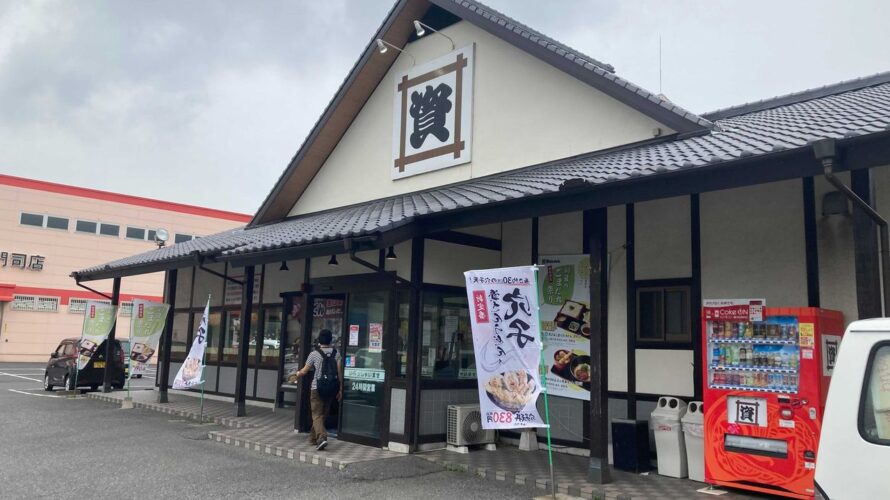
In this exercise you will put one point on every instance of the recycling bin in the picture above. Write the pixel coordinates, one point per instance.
(669, 444)
(694, 435)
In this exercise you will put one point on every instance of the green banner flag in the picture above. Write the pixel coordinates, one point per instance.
(98, 319)
(146, 325)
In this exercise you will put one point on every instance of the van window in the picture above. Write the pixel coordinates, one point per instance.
(874, 414)
(70, 349)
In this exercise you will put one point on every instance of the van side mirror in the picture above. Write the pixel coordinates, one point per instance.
(54, 355)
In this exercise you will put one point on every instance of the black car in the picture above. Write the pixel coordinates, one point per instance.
(61, 369)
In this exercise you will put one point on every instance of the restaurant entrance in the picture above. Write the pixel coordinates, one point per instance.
(362, 317)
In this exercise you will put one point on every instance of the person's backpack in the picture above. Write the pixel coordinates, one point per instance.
(328, 383)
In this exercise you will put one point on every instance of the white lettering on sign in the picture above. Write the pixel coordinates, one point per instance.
(369, 374)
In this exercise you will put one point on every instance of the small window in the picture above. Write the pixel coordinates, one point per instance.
(56, 222)
(31, 219)
(135, 233)
(180, 238)
(110, 230)
(874, 411)
(151, 235)
(48, 304)
(85, 226)
(663, 315)
(126, 309)
(70, 349)
(77, 306)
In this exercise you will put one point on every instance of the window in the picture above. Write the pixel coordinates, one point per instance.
(874, 412)
(126, 309)
(46, 221)
(404, 330)
(180, 238)
(446, 341)
(151, 235)
(271, 336)
(70, 349)
(214, 322)
(135, 233)
(663, 314)
(109, 229)
(79, 306)
(35, 303)
(31, 220)
(85, 226)
(179, 345)
(232, 338)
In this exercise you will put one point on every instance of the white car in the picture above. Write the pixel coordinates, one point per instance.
(854, 447)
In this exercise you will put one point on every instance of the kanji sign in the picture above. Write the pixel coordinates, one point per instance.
(432, 114)
(747, 411)
(21, 261)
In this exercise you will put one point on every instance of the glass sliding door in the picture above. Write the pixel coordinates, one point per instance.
(364, 391)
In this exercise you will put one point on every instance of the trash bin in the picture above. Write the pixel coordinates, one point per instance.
(694, 436)
(669, 444)
(630, 445)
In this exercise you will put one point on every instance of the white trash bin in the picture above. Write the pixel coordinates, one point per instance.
(669, 444)
(694, 436)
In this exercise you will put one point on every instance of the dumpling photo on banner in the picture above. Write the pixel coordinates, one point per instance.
(507, 343)
(146, 325)
(98, 319)
(191, 372)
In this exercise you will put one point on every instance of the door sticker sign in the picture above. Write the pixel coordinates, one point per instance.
(830, 345)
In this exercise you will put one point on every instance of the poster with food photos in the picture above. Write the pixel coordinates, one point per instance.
(507, 343)
(98, 320)
(564, 282)
(146, 326)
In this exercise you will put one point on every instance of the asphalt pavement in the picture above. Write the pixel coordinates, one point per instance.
(53, 446)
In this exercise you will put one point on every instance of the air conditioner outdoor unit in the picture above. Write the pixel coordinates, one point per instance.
(465, 426)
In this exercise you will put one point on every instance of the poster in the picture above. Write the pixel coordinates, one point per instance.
(375, 337)
(507, 343)
(146, 326)
(98, 319)
(192, 370)
(353, 335)
(564, 282)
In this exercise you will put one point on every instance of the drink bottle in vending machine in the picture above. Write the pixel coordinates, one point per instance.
(766, 378)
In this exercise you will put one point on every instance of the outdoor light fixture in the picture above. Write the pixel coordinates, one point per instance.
(391, 254)
(161, 236)
(419, 29)
(283, 266)
(333, 261)
(382, 48)
(835, 203)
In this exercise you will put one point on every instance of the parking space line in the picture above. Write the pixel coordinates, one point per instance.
(19, 376)
(29, 394)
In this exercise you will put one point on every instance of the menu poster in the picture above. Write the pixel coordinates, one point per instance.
(98, 319)
(564, 282)
(146, 326)
(507, 343)
(353, 335)
(375, 337)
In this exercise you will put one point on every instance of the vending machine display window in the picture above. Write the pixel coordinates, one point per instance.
(759, 356)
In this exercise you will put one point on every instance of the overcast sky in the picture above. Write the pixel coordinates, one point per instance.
(205, 102)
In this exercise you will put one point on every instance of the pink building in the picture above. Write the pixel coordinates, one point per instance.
(49, 230)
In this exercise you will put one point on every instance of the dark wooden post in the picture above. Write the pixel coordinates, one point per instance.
(109, 351)
(415, 318)
(865, 245)
(630, 273)
(243, 341)
(167, 339)
(599, 471)
(811, 241)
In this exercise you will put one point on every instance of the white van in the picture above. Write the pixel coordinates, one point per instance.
(854, 448)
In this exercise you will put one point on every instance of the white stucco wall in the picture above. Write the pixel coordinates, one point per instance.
(662, 238)
(445, 263)
(516, 244)
(617, 299)
(524, 112)
(561, 234)
(208, 284)
(276, 282)
(319, 268)
(837, 266)
(183, 286)
(673, 374)
(752, 244)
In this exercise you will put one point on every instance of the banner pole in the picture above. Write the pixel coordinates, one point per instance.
(542, 369)
(203, 363)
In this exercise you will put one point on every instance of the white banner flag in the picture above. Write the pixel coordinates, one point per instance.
(192, 370)
(98, 319)
(507, 343)
(146, 325)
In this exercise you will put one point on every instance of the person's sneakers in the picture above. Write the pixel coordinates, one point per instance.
(321, 445)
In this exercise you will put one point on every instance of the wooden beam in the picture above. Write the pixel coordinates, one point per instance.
(599, 471)
(469, 240)
(865, 247)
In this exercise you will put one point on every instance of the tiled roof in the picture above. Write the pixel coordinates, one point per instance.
(854, 112)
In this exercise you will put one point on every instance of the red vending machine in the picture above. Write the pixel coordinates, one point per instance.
(766, 377)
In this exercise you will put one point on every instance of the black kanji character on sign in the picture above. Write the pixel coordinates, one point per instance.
(36, 262)
(4, 256)
(746, 413)
(18, 260)
(429, 110)
(519, 328)
(517, 302)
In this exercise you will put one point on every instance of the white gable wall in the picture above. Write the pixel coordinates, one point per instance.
(525, 112)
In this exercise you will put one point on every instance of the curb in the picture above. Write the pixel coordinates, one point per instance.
(230, 422)
(278, 451)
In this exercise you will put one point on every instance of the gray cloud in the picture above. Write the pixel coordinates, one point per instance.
(205, 102)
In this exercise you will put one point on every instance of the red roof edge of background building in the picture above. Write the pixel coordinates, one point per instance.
(52, 187)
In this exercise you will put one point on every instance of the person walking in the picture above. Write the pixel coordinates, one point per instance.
(327, 384)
